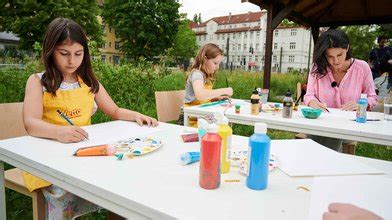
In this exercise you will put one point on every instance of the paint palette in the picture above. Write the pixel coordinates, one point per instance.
(137, 146)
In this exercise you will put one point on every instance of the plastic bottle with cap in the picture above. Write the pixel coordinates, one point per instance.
(287, 105)
(255, 103)
(226, 133)
(210, 154)
(362, 105)
(258, 158)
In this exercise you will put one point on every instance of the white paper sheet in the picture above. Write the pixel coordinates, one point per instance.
(372, 192)
(105, 133)
(308, 158)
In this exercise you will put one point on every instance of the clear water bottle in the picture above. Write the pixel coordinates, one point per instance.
(258, 158)
(362, 105)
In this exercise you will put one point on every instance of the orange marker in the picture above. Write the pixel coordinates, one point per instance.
(99, 150)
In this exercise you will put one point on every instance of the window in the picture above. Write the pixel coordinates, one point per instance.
(110, 44)
(251, 34)
(238, 59)
(257, 34)
(234, 36)
(103, 58)
(289, 69)
(293, 32)
(292, 45)
(110, 30)
(274, 59)
(257, 47)
(205, 37)
(276, 33)
(245, 47)
(256, 58)
(103, 29)
(116, 59)
(218, 37)
(275, 46)
(291, 59)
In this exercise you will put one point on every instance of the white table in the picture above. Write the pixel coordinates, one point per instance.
(336, 124)
(156, 186)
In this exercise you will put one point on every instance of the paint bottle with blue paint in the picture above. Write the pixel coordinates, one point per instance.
(362, 105)
(258, 158)
(189, 157)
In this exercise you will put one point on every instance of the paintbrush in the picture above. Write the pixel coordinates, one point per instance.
(326, 109)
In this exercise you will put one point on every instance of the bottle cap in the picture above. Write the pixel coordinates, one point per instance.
(363, 96)
(218, 117)
(202, 123)
(260, 128)
(288, 93)
(255, 91)
(212, 128)
(225, 121)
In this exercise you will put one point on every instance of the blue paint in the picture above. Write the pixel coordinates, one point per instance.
(258, 158)
(189, 157)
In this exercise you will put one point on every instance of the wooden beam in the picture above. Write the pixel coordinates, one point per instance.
(283, 13)
(268, 48)
(315, 33)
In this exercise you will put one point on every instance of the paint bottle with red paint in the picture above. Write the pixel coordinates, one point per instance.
(210, 153)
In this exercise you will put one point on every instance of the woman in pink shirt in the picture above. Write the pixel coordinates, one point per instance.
(337, 80)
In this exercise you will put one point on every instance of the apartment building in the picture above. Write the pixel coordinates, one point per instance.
(245, 35)
(110, 50)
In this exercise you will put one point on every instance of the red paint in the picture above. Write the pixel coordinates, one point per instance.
(210, 154)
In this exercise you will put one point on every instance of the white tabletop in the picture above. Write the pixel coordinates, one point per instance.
(336, 124)
(155, 185)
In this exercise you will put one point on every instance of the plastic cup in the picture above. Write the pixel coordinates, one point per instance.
(388, 108)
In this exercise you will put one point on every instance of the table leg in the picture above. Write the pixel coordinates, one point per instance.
(2, 192)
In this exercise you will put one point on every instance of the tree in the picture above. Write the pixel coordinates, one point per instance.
(29, 19)
(362, 39)
(146, 28)
(185, 45)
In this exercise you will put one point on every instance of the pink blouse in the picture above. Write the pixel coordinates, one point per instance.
(357, 80)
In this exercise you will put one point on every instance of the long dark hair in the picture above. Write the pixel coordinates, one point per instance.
(59, 30)
(332, 38)
(208, 51)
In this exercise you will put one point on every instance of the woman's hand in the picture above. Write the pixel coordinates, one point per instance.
(144, 119)
(70, 134)
(318, 105)
(349, 106)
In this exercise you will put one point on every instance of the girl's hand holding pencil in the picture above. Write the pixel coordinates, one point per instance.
(68, 134)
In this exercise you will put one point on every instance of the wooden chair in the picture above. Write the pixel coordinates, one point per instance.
(11, 125)
(168, 104)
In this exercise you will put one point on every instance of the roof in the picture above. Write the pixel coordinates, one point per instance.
(327, 13)
(7, 36)
(235, 19)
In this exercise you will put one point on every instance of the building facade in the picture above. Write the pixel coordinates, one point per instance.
(242, 38)
(110, 50)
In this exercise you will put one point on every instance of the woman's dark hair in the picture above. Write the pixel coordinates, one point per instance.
(60, 30)
(332, 38)
(379, 38)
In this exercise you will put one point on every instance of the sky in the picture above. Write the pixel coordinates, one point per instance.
(215, 8)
